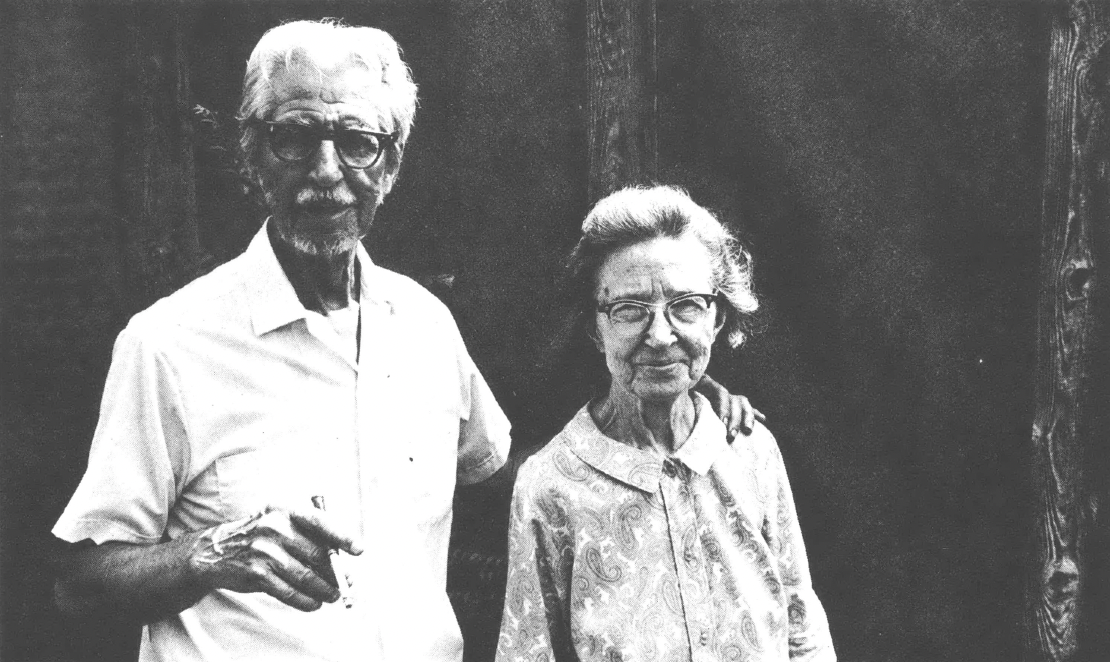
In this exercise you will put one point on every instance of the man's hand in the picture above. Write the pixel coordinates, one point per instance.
(735, 411)
(278, 552)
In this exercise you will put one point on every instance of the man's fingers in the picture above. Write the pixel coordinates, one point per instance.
(747, 417)
(748, 414)
(316, 525)
(278, 588)
(276, 562)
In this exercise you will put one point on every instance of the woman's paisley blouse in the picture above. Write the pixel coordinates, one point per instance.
(615, 554)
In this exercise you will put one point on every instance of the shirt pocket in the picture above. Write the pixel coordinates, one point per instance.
(252, 479)
(428, 457)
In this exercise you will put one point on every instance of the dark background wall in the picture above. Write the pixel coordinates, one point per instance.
(881, 159)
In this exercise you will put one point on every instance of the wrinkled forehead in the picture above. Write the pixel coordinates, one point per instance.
(662, 265)
(335, 80)
(302, 74)
(331, 56)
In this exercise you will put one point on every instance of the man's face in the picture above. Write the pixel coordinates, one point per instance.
(319, 205)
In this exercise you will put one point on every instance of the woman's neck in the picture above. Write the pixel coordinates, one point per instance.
(322, 282)
(661, 426)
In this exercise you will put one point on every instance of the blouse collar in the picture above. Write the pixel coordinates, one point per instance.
(641, 468)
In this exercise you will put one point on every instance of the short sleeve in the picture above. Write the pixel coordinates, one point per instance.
(809, 629)
(138, 452)
(483, 429)
(535, 624)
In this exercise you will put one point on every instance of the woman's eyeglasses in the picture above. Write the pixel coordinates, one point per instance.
(357, 148)
(630, 316)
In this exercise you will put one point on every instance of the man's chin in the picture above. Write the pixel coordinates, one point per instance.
(318, 244)
(316, 237)
(324, 247)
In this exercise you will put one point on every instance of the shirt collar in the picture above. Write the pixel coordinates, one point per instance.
(273, 301)
(639, 468)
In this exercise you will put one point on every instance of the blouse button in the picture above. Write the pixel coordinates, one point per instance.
(704, 639)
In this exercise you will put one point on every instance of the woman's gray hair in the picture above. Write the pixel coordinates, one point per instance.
(637, 214)
(323, 44)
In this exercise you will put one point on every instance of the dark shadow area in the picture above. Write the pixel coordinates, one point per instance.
(882, 161)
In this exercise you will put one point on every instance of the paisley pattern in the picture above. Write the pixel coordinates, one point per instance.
(617, 556)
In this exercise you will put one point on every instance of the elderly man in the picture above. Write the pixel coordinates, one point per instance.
(297, 370)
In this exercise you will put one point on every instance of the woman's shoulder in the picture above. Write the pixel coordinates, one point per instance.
(759, 444)
(546, 461)
(555, 464)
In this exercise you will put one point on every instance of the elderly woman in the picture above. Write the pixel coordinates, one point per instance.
(638, 532)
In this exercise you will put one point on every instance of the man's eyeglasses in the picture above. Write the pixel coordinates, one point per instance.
(631, 317)
(357, 148)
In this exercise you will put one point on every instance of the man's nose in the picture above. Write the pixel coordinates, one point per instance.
(326, 171)
(659, 332)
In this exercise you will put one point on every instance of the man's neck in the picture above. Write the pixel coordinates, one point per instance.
(322, 282)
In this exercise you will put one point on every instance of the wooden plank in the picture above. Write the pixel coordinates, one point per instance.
(621, 71)
(158, 233)
(1066, 393)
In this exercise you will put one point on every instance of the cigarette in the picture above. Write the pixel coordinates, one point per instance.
(333, 557)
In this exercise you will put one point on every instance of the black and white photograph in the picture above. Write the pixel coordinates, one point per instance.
(554, 330)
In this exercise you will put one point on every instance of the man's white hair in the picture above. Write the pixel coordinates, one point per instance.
(324, 45)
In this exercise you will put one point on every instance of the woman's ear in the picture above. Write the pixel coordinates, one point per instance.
(591, 331)
(719, 324)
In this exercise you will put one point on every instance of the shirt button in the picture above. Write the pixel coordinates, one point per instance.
(704, 639)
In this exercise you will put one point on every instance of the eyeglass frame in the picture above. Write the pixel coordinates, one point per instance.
(607, 308)
(321, 134)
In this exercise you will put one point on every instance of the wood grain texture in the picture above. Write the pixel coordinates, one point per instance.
(1066, 391)
(158, 232)
(620, 67)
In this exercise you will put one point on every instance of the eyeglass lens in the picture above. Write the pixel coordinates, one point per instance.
(296, 143)
(684, 310)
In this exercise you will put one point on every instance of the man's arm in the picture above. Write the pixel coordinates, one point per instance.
(281, 553)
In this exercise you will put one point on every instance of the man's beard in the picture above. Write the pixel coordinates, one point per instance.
(330, 247)
(333, 244)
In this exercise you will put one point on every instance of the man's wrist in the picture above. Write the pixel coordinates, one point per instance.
(196, 567)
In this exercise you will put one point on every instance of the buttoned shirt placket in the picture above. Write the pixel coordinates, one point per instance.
(689, 557)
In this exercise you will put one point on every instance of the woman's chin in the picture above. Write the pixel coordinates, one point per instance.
(650, 390)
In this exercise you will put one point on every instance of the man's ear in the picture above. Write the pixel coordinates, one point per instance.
(387, 183)
(394, 168)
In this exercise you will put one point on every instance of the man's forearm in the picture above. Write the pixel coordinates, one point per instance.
(283, 553)
(141, 582)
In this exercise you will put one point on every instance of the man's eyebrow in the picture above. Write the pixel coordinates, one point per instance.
(296, 117)
(356, 122)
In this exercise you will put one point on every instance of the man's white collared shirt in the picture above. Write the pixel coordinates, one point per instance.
(229, 396)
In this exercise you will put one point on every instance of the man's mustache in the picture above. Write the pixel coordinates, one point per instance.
(331, 197)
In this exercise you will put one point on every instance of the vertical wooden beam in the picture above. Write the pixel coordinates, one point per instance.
(158, 234)
(1067, 393)
(621, 70)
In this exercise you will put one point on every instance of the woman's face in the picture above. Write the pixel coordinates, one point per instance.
(656, 360)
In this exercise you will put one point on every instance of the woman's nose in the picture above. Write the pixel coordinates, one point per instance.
(326, 171)
(659, 331)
